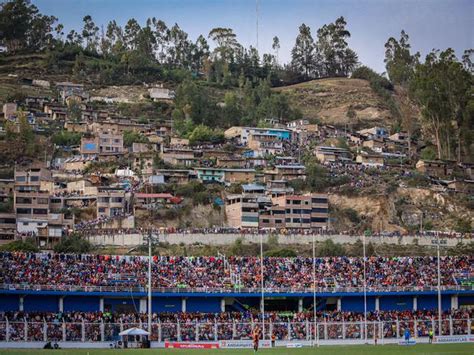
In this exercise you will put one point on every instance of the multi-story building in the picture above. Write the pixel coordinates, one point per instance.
(110, 143)
(179, 156)
(286, 172)
(242, 211)
(111, 201)
(254, 210)
(241, 134)
(32, 206)
(264, 144)
(6, 189)
(29, 200)
(102, 144)
(7, 227)
(302, 211)
(225, 175)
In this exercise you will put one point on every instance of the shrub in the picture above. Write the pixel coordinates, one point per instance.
(19, 245)
(73, 244)
(238, 247)
(329, 248)
(281, 253)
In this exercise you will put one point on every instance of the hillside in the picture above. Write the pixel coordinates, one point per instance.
(328, 101)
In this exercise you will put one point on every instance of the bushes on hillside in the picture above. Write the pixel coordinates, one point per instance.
(73, 244)
(19, 245)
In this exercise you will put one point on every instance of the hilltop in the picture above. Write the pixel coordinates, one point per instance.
(329, 100)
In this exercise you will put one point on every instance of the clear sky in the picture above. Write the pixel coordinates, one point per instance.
(430, 23)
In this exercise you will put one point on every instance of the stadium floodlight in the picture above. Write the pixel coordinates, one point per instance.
(365, 290)
(262, 307)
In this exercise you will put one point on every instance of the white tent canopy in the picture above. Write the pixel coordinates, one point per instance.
(134, 331)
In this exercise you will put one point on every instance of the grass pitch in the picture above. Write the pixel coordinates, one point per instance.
(419, 349)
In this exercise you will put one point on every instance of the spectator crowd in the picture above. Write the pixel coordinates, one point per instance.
(194, 326)
(66, 271)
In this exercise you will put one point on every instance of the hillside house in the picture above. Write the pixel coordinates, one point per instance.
(437, 168)
(369, 159)
(326, 154)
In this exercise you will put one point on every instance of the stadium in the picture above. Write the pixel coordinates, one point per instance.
(284, 177)
(89, 301)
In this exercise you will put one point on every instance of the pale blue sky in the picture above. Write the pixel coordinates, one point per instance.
(430, 23)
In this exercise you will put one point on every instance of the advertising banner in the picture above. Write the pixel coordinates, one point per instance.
(454, 339)
(243, 344)
(191, 345)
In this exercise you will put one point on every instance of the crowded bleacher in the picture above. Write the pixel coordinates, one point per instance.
(194, 326)
(207, 273)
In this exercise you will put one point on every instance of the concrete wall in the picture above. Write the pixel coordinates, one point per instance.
(226, 239)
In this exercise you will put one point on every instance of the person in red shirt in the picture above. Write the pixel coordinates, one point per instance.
(256, 338)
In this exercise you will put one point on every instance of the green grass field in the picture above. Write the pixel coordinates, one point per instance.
(420, 349)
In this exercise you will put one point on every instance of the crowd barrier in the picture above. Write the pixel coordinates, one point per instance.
(268, 290)
(41, 331)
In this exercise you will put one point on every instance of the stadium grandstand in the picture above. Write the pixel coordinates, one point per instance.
(73, 298)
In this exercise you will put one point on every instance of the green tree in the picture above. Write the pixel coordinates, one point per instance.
(399, 61)
(90, 34)
(22, 27)
(226, 43)
(202, 134)
(130, 137)
(276, 47)
(65, 138)
(304, 52)
(337, 58)
(329, 248)
(442, 87)
(19, 245)
(26, 136)
(73, 244)
(463, 225)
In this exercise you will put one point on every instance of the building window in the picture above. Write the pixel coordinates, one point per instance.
(318, 220)
(319, 200)
(249, 219)
(42, 211)
(320, 210)
(34, 178)
(21, 178)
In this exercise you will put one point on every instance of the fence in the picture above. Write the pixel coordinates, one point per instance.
(42, 331)
(268, 290)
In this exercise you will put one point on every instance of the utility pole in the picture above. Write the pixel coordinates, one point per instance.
(439, 286)
(314, 292)
(365, 294)
(149, 310)
(261, 286)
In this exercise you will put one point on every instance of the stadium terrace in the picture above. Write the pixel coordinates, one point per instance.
(91, 283)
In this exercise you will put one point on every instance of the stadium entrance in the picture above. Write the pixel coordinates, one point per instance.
(281, 305)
